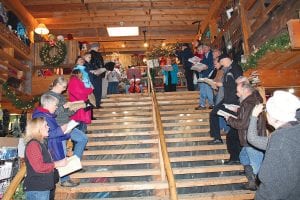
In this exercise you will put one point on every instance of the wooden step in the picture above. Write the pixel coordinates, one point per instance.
(200, 158)
(187, 131)
(120, 134)
(127, 104)
(126, 99)
(184, 112)
(178, 107)
(192, 123)
(207, 169)
(191, 117)
(116, 186)
(122, 119)
(124, 142)
(197, 148)
(190, 139)
(177, 93)
(224, 195)
(177, 102)
(120, 126)
(118, 173)
(210, 181)
(120, 151)
(122, 109)
(98, 114)
(119, 162)
(178, 97)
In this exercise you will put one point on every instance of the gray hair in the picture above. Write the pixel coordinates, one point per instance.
(60, 79)
(246, 85)
(47, 99)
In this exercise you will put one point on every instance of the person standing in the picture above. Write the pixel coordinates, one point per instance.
(40, 178)
(170, 77)
(231, 72)
(184, 55)
(98, 71)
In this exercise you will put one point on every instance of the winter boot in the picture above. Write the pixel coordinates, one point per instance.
(251, 185)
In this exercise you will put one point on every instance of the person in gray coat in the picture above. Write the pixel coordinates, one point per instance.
(280, 171)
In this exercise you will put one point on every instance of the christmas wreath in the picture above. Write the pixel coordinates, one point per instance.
(58, 58)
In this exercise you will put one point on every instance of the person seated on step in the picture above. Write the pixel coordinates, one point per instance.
(250, 157)
(56, 133)
(280, 172)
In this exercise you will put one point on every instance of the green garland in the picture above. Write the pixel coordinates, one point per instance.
(160, 51)
(16, 101)
(280, 43)
(58, 58)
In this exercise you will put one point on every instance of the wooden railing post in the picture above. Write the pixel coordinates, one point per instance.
(163, 146)
(15, 183)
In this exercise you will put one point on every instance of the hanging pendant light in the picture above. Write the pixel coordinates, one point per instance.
(41, 29)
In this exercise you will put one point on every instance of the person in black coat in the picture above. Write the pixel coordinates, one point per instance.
(97, 71)
(184, 55)
(231, 72)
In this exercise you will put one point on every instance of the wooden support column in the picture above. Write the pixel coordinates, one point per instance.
(245, 27)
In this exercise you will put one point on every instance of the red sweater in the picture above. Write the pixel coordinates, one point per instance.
(35, 158)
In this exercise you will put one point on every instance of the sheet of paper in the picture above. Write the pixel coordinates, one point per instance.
(73, 164)
(225, 114)
(72, 124)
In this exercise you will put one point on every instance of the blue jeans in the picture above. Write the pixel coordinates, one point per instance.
(37, 195)
(251, 156)
(206, 92)
(223, 124)
(80, 140)
(112, 88)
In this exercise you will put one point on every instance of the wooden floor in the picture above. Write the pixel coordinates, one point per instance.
(123, 158)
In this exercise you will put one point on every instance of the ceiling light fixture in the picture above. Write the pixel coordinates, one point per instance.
(122, 31)
(41, 29)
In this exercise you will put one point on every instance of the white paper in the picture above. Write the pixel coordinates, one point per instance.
(198, 67)
(194, 60)
(225, 114)
(73, 164)
(231, 107)
(72, 124)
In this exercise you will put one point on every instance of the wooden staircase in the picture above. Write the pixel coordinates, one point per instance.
(124, 161)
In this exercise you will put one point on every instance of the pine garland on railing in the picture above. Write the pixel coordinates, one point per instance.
(280, 43)
(16, 101)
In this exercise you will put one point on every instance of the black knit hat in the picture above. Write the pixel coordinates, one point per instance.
(224, 55)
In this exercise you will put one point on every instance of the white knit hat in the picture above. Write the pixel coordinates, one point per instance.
(282, 106)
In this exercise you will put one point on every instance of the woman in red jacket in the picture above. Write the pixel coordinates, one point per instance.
(77, 91)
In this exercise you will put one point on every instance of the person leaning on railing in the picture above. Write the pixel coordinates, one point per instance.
(39, 179)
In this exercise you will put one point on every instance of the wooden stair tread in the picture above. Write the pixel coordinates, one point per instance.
(114, 120)
(190, 111)
(119, 161)
(191, 117)
(116, 186)
(118, 109)
(120, 151)
(122, 114)
(120, 134)
(192, 123)
(207, 169)
(199, 158)
(210, 181)
(118, 173)
(197, 148)
(190, 139)
(126, 104)
(123, 142)
(119, 126)
(187, 131)
(223, 195)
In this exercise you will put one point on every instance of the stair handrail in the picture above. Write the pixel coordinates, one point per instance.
(10, 191)
(163, 144)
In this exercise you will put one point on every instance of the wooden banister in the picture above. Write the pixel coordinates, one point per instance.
(8, 195)
(163, 145)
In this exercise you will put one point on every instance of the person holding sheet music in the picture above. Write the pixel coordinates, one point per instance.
(40, 176)
(56, 133)
(170, 71)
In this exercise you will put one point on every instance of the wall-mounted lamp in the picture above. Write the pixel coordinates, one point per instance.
(123, 45)
(41, 29)
(145, 42)
(163, 44)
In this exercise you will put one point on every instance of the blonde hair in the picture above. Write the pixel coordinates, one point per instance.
(58, 80)
(33, 129)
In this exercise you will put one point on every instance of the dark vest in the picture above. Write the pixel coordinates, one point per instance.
(38, 181)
